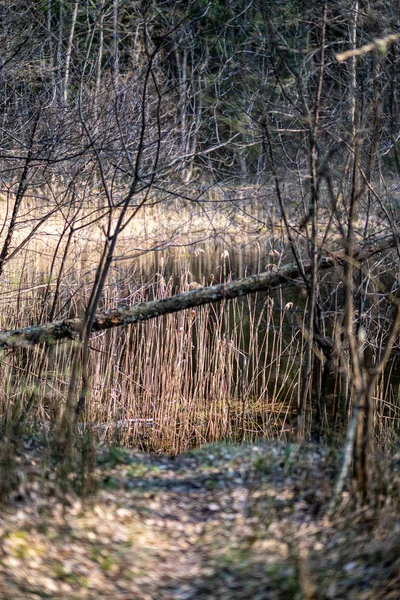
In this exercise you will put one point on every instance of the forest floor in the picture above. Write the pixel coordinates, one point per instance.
(222, 522)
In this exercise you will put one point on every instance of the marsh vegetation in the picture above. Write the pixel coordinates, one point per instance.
(199, 244)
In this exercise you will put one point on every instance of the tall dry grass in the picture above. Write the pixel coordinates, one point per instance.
(222, 372)
(227, 371)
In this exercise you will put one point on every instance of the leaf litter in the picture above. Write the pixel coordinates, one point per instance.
(224, 521)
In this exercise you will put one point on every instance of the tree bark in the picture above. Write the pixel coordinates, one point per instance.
(69, 52)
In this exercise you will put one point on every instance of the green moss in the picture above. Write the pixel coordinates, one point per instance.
(110, 483)
(114, 456)
(140, 470)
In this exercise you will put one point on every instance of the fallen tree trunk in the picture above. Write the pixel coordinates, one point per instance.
(263, 282)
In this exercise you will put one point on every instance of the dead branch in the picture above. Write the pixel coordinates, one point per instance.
(69, 329)
(380, 44)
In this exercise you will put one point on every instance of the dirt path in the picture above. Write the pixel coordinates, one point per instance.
(223, 522)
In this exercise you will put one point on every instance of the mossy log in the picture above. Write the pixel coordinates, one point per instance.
(70, 329)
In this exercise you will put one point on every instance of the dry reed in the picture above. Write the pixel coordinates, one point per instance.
(222, 372)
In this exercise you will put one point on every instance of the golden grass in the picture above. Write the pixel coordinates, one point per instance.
(173, 383)
(229, 371)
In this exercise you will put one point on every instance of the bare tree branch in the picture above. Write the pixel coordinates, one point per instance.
(263, 282)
